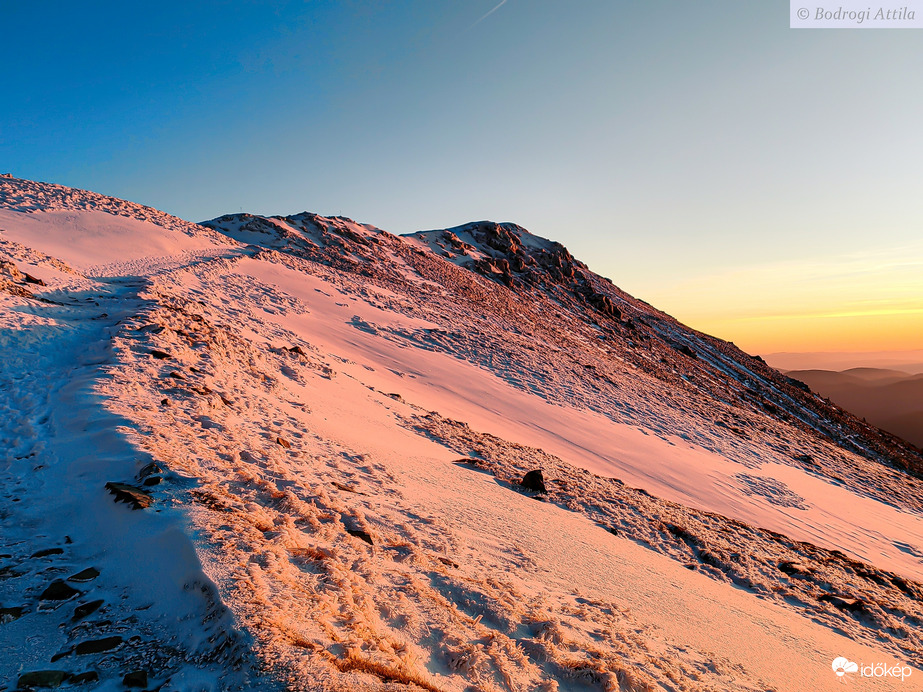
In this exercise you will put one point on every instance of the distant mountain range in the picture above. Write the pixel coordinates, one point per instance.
(889, 399)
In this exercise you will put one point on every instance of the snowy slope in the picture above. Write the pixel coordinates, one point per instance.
(339, 419)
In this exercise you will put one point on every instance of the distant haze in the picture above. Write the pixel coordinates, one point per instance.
(888, 399)
(910, 362)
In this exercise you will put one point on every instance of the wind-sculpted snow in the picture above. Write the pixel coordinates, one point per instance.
(322, 427)
(821, 584)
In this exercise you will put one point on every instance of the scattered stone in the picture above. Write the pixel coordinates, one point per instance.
(604, 304)
(9, 573)
(790, 567)
(136, 497)
(283, 442)
(85, 609)
(165, 402)
(47, 551)
(89, 574)
(10, 614)
(97, 646)
(176, 375)
(534, 481)
(58, 590)
(151, 469)
(685, 350)
(61, 654)
(10, 269)
(42, 678)
(363, 535)
(137, 678)
(80, 678)
(160, 355)
(853, 605)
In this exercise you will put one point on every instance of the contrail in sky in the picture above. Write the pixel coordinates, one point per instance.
(502, 3)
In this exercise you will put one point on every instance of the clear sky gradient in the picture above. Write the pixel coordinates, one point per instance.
(759, 183)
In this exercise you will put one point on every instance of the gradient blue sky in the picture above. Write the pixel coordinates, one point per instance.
(758, 182)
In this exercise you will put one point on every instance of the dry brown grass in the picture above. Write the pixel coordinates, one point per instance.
(402, 676)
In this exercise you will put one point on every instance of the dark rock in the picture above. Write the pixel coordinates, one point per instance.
(33, 279)
(164, 402)
(152, 480)
(97, 646)
(176, 375)
(853, 605)
(61, 654)
(58, 591)
(685, 350)
(47, 551)
(604, 304)
(283, 442)
(790, 567)
(10, 614)
(797, 383)
(8, 572)
(89, 574)
(363, 535)
(42, 678)
(85, 609)
(151, 469)
(136, 497)
(534, 481)
(298, 350)
(80, 678)
(160, 355)
(137, 678)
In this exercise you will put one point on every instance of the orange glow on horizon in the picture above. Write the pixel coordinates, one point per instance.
(848, 303)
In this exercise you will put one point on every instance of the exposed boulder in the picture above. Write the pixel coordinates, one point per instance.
(852, 605)
(58, 590)
(604, 304)
(85, 609)
(88, 574)
(42, 678)
(534, 481)
(47, 551)
(97, 646)
(133, 495)
(10, 614)
(137, 678)
(361, 535)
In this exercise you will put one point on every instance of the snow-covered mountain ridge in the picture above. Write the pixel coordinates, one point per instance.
(302, 386)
